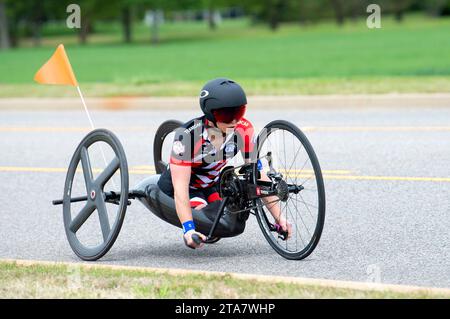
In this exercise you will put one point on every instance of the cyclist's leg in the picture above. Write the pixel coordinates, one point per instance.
(165, 183)
(211, 194)
(197, 199)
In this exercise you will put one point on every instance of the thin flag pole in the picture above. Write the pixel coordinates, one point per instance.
(93, 127)
(87, 111)
(57, 70)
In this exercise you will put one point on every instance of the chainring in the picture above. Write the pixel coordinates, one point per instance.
(230, 186)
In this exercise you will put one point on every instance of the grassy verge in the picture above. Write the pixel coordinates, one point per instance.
(311, 86)
(317, 59)
(62, 281)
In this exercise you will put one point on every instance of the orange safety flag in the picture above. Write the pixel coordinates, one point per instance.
(57, 70)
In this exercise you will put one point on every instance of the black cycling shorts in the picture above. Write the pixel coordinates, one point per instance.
(197, 196)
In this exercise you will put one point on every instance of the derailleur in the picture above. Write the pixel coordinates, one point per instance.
(278, 182)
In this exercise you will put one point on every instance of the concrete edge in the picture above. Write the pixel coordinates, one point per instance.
(362, 286)
(359, 101)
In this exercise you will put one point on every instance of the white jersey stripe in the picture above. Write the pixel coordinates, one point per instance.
(204, 178)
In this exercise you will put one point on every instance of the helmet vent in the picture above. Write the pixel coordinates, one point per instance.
(226, 82)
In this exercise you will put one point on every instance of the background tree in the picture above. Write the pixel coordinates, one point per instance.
(212, 7)
(399, 8)
(339, 11)
(271, 12)
(4, 32)
(94, 10)
(36, 20)
(436, 8)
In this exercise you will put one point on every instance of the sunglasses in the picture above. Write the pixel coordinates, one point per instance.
(229, 114)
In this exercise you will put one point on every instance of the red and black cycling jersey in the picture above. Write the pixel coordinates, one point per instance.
(192, 147)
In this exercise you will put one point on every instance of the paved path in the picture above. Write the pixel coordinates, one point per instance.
(388, 207)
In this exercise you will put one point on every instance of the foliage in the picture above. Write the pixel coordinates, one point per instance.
(25, 18)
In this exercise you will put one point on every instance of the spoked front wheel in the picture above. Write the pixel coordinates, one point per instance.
(97, 172)
(304, 209)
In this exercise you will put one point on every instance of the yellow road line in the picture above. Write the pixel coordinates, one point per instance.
(304, 128)
(143, 167)
(390, 178)
(142, 171)
(71, 129)
(302, 176)
(325, 171)
(32, 169)
(376, 128)
(374, 178)
(41, 169)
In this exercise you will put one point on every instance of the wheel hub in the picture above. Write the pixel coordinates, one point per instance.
(283, 190)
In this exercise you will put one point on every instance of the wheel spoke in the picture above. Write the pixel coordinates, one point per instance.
(303, 166)
(303, 222)
(310, 213)
(307, 180)
(302, 201)
(103, 216)
(82, 216)
(108, 172)
(87, 169)
(297, 231)
(293, 161)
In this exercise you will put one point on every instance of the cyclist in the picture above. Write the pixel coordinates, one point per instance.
(204, 145)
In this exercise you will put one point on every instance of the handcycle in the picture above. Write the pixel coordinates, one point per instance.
(295, 183)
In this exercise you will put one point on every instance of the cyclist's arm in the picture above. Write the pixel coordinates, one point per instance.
(274, 206)
(180, 180)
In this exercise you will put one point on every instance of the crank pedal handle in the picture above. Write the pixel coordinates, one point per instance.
(197, 239)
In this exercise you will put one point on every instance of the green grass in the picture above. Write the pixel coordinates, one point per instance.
(310, 86)
(319, 59)
(60, 281)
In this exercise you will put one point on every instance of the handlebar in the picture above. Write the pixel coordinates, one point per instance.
(197, 239)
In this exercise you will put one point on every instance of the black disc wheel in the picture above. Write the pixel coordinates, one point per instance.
(98, 168)
(163, 144)
(293, 156)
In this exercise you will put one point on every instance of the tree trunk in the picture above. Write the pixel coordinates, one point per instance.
(338, 11)
(155, 28)
(275, 12)
(126, 23)
(436, 7)
(84, 30)
(37, 20)
(211, 21)
(355, 10)
(400, 7)
(398, 15)
(5, 41)
(36, 33)
(303, 14)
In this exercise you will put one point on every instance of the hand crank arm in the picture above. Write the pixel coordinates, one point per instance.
(110, 197)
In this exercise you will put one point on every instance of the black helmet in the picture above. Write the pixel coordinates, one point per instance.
(221, 93)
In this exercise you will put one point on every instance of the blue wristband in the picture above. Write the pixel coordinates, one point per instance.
(187, 226)
(259, 165)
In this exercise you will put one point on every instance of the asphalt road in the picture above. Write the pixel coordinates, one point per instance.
(383, 222)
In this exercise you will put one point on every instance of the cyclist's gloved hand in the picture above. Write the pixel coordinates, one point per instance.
(285, 225)
(190, 242)
(189, 231)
